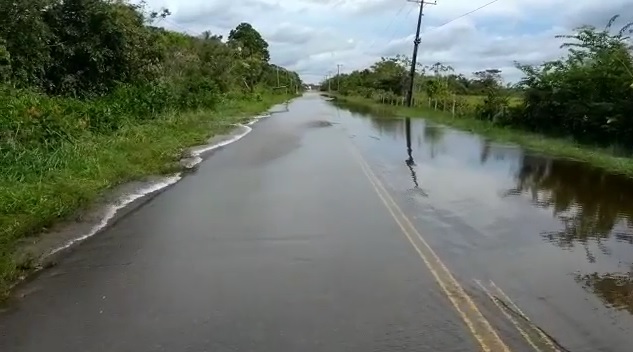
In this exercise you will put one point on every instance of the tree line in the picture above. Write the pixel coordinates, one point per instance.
(587, 94)
(70, 67)
(94, 93)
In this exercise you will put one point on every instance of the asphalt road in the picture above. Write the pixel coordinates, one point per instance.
(295, 238)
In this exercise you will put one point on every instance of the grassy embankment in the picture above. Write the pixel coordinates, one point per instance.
(45, 187)
(601, 157)
(474, 100)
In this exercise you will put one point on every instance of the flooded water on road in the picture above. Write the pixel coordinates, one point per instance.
(557, 233)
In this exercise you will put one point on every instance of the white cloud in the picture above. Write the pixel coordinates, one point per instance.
(312, 36)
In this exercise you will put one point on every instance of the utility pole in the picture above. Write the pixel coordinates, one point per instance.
(416, 44)
(414, 59)
(290, 81)
(338, 77)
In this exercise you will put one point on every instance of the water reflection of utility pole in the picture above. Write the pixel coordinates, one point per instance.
(407, 127)
(410, 162)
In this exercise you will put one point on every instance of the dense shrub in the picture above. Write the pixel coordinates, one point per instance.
(69, 67)
(588, 94)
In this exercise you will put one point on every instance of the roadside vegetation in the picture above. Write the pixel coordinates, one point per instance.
(579, 106)
(93, 93)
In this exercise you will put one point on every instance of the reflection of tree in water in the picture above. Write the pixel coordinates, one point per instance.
(588, 201)
(362, 109)
(433, 136)
(388, 126)
(485, 152)
(488, 149)
(614, 289)
(381, 120)
(591, 205)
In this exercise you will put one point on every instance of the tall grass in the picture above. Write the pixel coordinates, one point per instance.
(58, 155)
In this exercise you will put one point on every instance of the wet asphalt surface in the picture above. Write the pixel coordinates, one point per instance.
(280, 242)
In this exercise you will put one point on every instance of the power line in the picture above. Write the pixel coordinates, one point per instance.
(339, 3)
(186, 30)
(395, 31)
(434, 28)
(393, 19)
(466, 14)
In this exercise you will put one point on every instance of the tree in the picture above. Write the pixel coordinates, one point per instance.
(587, 93)
(432, 88)
(98, 45)
(249, 42)
(496, 100)
(389, 75)
(252, 50)
(27, 38)
(208, 35)
(488, 79)
(5, 62)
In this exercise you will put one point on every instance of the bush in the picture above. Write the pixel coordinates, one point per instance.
(95, 66)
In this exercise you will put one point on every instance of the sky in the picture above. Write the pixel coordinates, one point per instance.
(313, 36)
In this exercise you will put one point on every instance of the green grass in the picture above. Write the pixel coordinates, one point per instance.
(567, 148)
(472, 99)
(46, 187)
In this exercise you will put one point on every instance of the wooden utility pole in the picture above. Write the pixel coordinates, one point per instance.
(338, 77)
(414, 59)
(416, 44)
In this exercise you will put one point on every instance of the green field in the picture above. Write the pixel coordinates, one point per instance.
(477, 99)
(471, 100)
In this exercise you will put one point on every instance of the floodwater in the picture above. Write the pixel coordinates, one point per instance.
(332, 228)
(557, 233)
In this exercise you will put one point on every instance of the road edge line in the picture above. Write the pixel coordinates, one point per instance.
(508, 316)
(543, 336)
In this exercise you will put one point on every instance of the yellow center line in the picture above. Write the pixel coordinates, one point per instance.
(478, 325)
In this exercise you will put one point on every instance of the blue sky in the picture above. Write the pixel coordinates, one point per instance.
(313, 36)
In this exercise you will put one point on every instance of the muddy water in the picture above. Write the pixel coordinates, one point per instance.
(557, 234)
